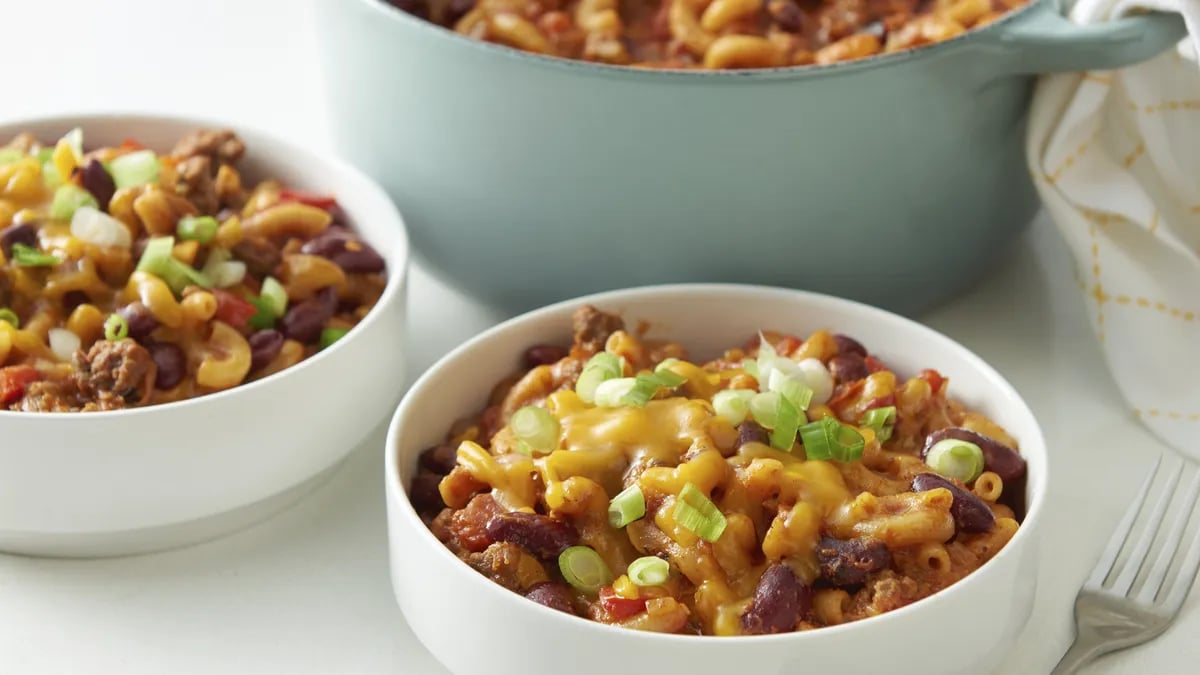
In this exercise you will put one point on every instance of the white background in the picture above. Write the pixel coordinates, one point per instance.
(307, 591)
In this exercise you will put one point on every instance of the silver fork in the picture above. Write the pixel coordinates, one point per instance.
(1110, 617)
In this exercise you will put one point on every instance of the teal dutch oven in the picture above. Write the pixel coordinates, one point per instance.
(896, 180)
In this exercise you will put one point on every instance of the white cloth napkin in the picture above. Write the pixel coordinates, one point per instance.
(1116, 158)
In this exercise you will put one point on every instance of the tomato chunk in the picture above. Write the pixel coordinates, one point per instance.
(233, 310)
(874, 365)
(934, 378)
(14, 380)
(620, 608)
(319, 201)
(129, 145)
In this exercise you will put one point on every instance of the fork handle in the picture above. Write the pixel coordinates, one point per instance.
(1081, 653)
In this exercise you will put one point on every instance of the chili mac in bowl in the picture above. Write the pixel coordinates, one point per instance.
(182, 304)
(661, 465)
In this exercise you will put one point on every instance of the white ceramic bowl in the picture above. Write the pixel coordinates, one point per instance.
(472, 625)
(149, 478)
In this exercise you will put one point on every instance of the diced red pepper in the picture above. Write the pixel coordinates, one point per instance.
(881, 402)
(788, 345)
(233, 310)
(620, 608)
(319, 201)
(14, 380)
(934, 378)
(874, 365)
(129, 145)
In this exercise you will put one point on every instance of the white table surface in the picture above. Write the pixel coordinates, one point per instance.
(307, 591)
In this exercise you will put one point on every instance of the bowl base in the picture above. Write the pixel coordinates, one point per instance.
(158, 538)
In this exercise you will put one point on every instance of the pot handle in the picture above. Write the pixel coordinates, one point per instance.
(1044, 41)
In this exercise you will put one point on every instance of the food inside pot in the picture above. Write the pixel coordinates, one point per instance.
(786, 485)
(129, 277)
(711, 34)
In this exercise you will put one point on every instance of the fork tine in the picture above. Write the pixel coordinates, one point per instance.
(1186, 577)
(1141, 550)
(1171, 542)
(1121, 533)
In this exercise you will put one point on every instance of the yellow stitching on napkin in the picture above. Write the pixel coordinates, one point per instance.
(1133, 156)
(1169, 414)
(1172, 105)
(1154, 221)
(1098, 291)
(1053, 176)
(1159, 305)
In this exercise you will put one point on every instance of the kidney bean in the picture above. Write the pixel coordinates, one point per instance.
(847, 562)
(458, 9)
(848, 367)
(172, 364)
(750, 431)
(848, 345)
(540, 535)
(261, 256)
(787, 14)
(780, 601)
(997, 457)
(264, 346)
(141, 321)
(970, 513)
(73, 299)
(424, 493)
(25, 233)
(439, 459)
(97, 181)
(303, 321)
(415, 7)
(553, 595)
(544, 355)
(345, 250)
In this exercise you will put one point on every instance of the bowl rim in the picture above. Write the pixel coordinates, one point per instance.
(396, 492)
(392, 292)
(388, 12)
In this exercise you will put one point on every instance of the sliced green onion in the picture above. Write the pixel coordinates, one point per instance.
(44, 155)
(750, 366)
(612, 393)
(733, 404)
(628, 506)
(601, 367)
(92, 225)
(818, 378)
(264, 317)
(134, 169)
(332, 335)
(764, 408)
(63, 343)
(10, 155)
(787, 423)
(197, 228)
(793, 387)
(537, 427)
(828, 438)
(74, 139)
(68, 198)
(275, 295)
(158, 259)
(696, 513)
(881, 421)
(28, 256)
(647, 385)
(649, 571)
(956, 459)
(50, 177)
(115, 328)
(666, 364)
(584, 569)
(10, 317)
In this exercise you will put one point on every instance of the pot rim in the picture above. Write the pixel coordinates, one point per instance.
(387, 12)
